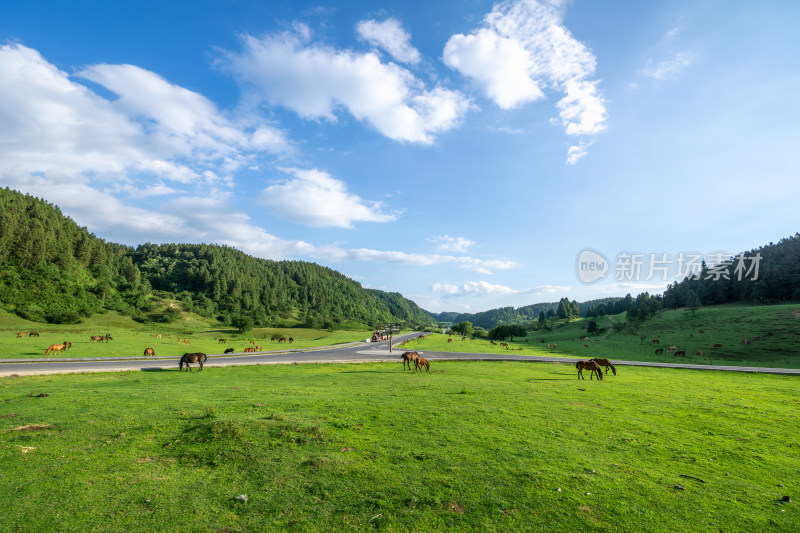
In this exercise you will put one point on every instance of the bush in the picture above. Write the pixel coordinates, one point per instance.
(64, 317)
(242, 323)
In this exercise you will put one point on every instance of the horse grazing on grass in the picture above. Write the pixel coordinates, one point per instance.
(229, 350)
(192, 358)
(681, 353)
(96, 338)
(291, 340)
(223, 341)
(588, 365)
(56, 348)
(282, 339)
(249, 350)
(605, 363)
(149, 351)
(420, 362)
(21, 334)
(33, 334)
(659, 351)
(407, 357)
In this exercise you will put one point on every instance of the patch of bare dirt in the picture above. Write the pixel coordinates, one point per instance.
(33, 427)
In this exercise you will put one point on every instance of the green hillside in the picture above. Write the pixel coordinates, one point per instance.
(52, 270)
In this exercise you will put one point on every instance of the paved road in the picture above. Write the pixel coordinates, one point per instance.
(347, 353)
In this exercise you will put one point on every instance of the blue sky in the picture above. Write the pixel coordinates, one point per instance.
(461, 153)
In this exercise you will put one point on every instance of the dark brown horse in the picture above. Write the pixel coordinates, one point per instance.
(420, 362)
(408, 357)
(33, 334)
(192, 358)
(605, 363)
(229, 350)
(588, 365)
(149, 351)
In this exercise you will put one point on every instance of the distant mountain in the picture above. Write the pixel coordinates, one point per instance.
(53, 270)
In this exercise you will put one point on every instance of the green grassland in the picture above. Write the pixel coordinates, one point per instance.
(478, 446)
(130, 338)
(773, 333)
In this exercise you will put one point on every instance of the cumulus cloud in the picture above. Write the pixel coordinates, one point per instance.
(390, 36)
(452, 244)
(524, 48)
(483, 288)
(51, 123)
(314, 198)
(576, 153)
(316, 81)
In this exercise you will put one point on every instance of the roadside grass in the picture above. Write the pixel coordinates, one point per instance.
(130, 338)
(468, 446)
(773, 333)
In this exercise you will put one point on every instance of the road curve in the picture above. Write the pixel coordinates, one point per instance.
(361, 352)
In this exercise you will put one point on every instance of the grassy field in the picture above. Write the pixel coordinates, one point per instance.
(469, 446)
(131, 338)
(773, 333)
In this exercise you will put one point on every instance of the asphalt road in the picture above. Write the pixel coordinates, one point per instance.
(348, 353)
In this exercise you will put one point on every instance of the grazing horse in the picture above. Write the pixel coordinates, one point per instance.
(223, 341)
(588, 365)
(33, 334)
(291, 340)
(655, 341)
(504, 345)
(56, 348)
(717, 346)
(605, 363)
(108, 337)
(420, 362)
(700, 353)
(672, 348)
(249, 350)
(407, 357)
(96, 338)
(681, 353)
(450, 340)
(149, 351)
(282, 339)
(258, 348)
(68, 344)
(21, 334)
(493, 343)
(192, 358)
(229, 350)
(555, 345)
(659, 351)
(158, 336)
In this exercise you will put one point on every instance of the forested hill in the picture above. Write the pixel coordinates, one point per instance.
(772, 278)
(53, 270)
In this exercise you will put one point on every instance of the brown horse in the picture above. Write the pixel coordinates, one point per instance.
(258, 348)
(605, 363)
(21, 334)
(588, 365)
(407, 357)
(96, 338)
(504, 345)
(282, 339)
(249, 350)
(223, 341)
(68, 344)
(149, 351)
(56, 348)
(33, 334)
(192, 358)
(660, 351)
(420, 362)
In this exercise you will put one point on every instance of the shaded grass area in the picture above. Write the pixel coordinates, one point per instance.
(469, 446)
(772, 335)
(130, 338)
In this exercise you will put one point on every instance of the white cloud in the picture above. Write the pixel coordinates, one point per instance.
(483, 288)
(524, 48)
(314, 198)
(667, 68)
(452, 244)
(51, 124)
(316, 81)
(576, 152)
(390, 36)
